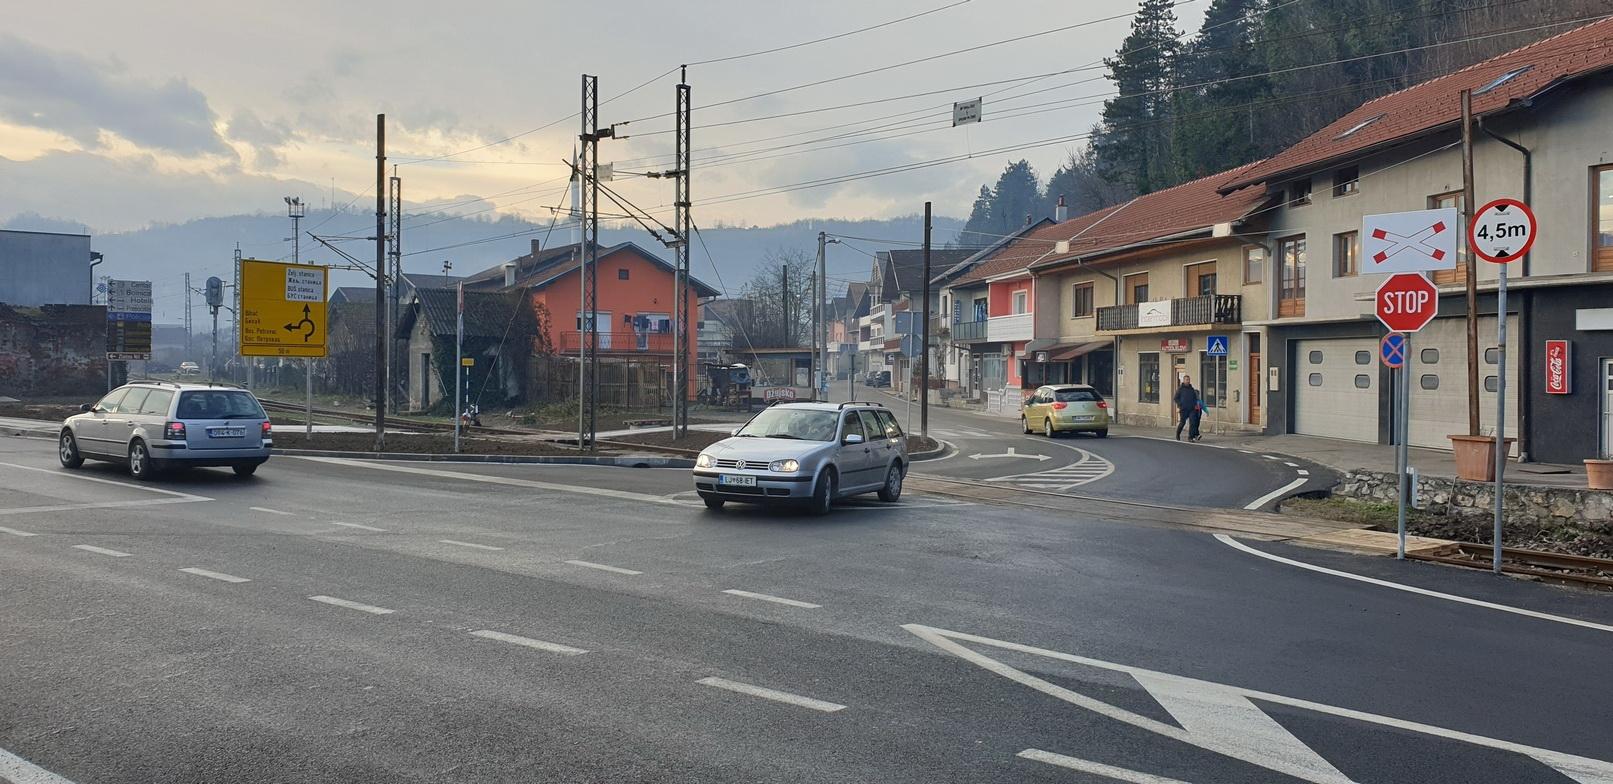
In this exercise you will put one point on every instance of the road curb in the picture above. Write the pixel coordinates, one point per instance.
(932, 454)
(623, 461)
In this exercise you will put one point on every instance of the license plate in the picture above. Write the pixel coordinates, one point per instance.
(736, 480)
(1082, 418)
(226, 432)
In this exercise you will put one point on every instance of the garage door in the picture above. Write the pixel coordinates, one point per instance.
(1336, 389)
(1439, 381)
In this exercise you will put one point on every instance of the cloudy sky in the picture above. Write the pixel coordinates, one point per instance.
(123, 114)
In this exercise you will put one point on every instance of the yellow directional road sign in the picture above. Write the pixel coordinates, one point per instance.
(282, 309)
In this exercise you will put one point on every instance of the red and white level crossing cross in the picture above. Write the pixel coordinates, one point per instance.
(1416, 241)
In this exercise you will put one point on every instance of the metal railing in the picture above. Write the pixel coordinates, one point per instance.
(968, 332)
(621, 342)
(1185, 311)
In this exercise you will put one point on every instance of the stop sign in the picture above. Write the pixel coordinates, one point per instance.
(1407, 302)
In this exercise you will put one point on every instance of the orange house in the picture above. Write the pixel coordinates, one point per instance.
(634, 306)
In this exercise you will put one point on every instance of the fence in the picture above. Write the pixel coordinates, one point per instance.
(623, 383)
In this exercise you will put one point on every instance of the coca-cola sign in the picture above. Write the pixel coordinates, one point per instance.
(1558, 368)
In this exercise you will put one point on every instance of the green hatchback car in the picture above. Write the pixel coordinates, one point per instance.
(1066, 408)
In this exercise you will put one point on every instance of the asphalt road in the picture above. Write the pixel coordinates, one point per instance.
(1126, 467)
(383, 622)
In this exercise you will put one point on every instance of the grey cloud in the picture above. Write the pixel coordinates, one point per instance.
(264, 136)
(81, 98)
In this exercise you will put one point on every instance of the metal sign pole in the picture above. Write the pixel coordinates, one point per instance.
(1500, 409)
(308, 390)
(1402, 448)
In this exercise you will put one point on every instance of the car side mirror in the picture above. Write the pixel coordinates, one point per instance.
(854, 438)
(87, 407)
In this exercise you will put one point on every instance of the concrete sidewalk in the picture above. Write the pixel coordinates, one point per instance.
(1343, 455)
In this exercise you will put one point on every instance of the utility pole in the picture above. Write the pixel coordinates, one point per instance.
(784, 293)
(380, 282)
(590, 259)
(924, 358)
(394, 283)
(187, 317)
(459, 361)
(820, 334)
(1472, 268)
(294, 210)
(680, 290)
(235, 318)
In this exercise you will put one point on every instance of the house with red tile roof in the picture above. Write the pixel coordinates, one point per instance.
(1541, 135)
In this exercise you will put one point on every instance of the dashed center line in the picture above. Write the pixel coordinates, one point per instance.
(267, 510)
(90, 548)
(457, 543)
(369, 608)
(1290, 465)
(15, 532)
(228, 578)
(360, 527)
(551, 647)
(603, 567)
(772, 694)
(774, 599)
(1303, 472)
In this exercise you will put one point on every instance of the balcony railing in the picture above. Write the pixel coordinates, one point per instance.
(621, 342)
(1184, 312)
(1019, 326)
(969, 332)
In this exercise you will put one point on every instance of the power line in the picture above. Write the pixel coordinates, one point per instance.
(827, 38)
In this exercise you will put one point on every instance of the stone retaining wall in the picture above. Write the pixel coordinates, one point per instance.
(1533, 515)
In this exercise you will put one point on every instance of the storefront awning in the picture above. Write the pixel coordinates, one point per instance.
(1069, 352)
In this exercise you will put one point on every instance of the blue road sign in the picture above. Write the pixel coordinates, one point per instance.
(1216, 346)
(1392, 350)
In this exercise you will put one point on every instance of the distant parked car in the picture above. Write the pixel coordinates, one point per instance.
(806, 453)
(189, 369)
(877, 378)
(1066, 408)
(151, 426)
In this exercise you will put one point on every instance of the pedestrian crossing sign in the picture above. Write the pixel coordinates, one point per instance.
(1216, 346)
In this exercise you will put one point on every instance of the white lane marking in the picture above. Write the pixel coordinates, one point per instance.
(1303, 472)
(97, 505)
(267, 510)
(551, 647)
(1413, 589)
(1245, 451)
(17, 770)
(1581, 769)
(469, 544)
(602, 567)
(369, 608)
(90, 548)
(229, 578)
(774, 599)
(1095, 768)
(772, 694)
(1225, 719)
(1275, 494)
(1271, 457)
(185, 497)
(1290, 465)
(15, 532)
(360, 527)
(497, 480)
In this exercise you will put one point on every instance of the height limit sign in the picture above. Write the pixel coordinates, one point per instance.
(1502, 231)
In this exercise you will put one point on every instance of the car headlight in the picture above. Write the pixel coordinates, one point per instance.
(703, 461)
(785, 466)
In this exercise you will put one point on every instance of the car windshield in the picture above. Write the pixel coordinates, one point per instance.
(218, 404)
(798, 423)
(1076, 396)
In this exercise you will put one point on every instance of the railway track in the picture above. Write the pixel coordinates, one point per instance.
(1549, 567)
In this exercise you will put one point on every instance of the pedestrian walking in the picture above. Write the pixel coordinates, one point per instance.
(1189, 407)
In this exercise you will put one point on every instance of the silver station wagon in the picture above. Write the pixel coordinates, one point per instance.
(806, 453)
(152, 426)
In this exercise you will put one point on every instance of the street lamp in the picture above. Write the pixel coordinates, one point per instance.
(295, 211)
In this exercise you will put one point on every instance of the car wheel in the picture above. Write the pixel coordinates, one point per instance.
(892, 490)
(141, 466)
(823, 495)
(1104, 433)
(713, 502)
(1023, 425)
(1047, 428)
(67, 450)
(245, 470)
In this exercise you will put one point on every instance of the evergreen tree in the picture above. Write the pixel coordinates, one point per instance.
(1084, 189)
(979, 223)
(1135, 144)
(1017, 197)
(1219, 91)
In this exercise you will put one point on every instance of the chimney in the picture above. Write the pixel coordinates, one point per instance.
(1061, 213)
(1027, 219)
(535, 248)
(509, 270)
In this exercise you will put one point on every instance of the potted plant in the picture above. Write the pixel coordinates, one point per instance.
(1475, 456)
(1599, 474)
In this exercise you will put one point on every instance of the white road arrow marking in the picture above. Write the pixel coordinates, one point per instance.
(1010, 453)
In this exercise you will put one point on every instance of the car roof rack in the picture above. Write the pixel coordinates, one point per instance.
(157, 381)
(861, 403)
